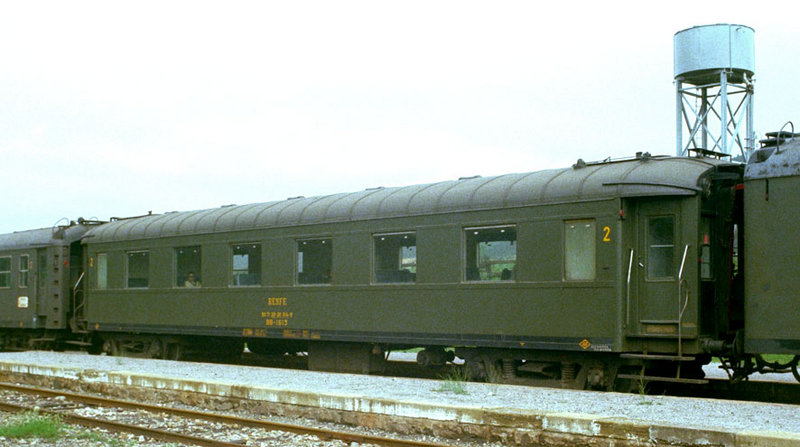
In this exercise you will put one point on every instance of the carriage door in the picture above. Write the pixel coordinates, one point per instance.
(42, 289)
(656, 261)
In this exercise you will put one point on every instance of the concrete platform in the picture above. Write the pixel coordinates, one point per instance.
(509, 414)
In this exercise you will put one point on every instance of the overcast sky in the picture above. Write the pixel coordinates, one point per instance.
(117, 109)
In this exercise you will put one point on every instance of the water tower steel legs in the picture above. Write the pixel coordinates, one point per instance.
(715, 106)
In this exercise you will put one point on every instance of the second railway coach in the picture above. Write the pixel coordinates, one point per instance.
(590, 275)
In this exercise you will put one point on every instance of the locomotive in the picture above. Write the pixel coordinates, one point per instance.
(601, 275)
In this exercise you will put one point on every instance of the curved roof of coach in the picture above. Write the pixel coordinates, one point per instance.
(44, 237)
(656, 176)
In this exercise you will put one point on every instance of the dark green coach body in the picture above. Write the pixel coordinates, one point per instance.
(772, 272)
(38, 269)
(629, 206)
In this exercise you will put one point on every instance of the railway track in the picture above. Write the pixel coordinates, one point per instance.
(67, 406)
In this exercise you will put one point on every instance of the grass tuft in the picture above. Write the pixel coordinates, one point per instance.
(454, 382)
(31, 425)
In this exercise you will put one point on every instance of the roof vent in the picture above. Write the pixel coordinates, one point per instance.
(469, 178)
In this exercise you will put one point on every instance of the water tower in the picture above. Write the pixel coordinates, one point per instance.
(714, 68)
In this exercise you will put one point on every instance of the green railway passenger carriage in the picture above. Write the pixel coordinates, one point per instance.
(583, 275)
(39, 270)
(601, 275)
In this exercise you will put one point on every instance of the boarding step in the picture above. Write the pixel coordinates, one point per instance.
(664, 336)
(43, 339)
(640, 377)
(672, 358)
(78, 343)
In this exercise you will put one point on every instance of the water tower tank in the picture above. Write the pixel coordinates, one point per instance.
(702, 51)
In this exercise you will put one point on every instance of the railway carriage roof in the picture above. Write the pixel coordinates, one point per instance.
(647, 176)
(44, 237)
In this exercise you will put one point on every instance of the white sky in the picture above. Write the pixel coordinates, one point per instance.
(119, 108)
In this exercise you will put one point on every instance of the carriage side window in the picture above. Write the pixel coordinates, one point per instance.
(579, 250)
(187, 266)
(138, 269)
(5, 271)
(314, 261)
(491, 253)
(24, 267)
(395, 258)
(102, 271)
(246, 265)
(661, 247)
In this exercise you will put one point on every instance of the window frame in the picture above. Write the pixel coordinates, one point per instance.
(232, 270)
(24, 284)
(298, 263)
(374, 263)
(176, 271)
(6, 273)
(465, 236)
(649, 246)
(128, 269)
(566, 247)
(104, 271)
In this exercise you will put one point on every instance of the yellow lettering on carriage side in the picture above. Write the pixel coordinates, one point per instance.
(277, 301)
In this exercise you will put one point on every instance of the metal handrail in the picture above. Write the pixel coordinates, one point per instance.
(78, 282)
(682, 309)
(77, 307)
(628, 292)
(780, 132)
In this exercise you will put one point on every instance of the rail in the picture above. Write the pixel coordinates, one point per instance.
(322, 433)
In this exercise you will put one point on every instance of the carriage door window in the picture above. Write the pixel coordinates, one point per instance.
(138, 269)
(24, 267)
(660, 247)
(5, 271)
(102, 271)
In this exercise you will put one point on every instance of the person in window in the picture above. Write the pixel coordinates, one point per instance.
(191, 281)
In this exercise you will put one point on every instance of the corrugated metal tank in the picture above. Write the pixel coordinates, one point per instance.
(701, 51)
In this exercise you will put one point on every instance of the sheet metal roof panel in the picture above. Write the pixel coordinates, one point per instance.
(42, 237)
(632, 178)
(28, 239)
(769, 163)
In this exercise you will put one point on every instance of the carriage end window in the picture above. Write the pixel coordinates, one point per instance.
(396, 258)
(246, 264)
(102, 271)
(579, 250)
(138, 269)
(314, 261)
(491, 253)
